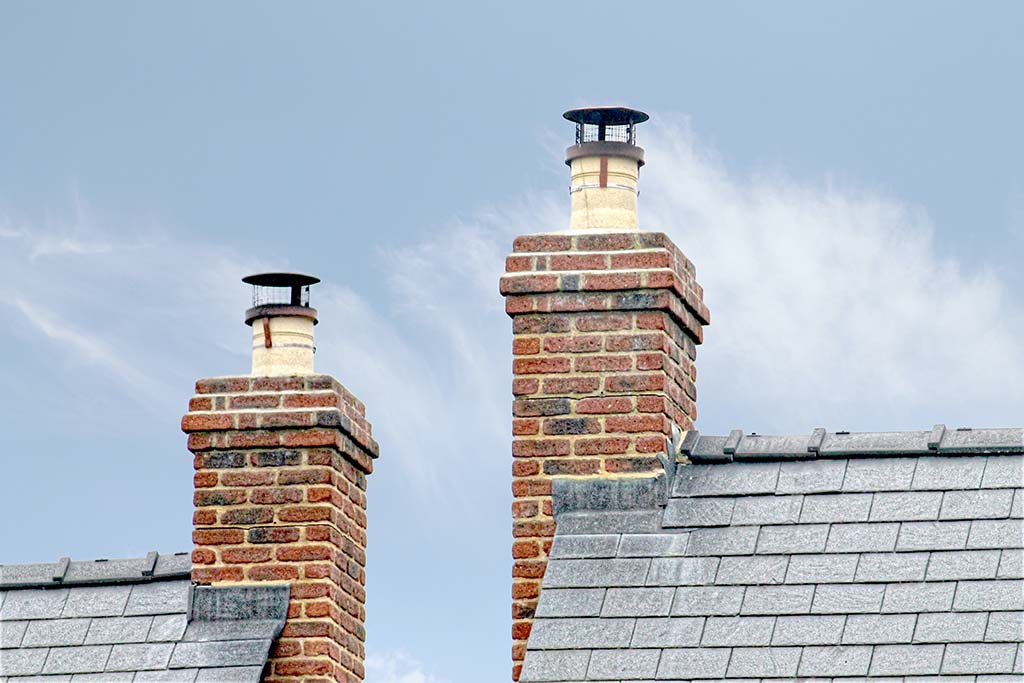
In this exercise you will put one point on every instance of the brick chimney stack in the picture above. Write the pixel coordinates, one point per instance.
(281, 459)
(605, 319)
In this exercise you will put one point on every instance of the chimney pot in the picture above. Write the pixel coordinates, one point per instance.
(282, 324)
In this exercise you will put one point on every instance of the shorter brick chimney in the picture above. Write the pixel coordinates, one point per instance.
(281, 458)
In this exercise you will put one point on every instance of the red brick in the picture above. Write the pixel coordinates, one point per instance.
(525, 427)
(533, 529)
(258, 439)
(217, 536)
(526, 345)
(525, 468)
(603, 363)
(521, 549)
(277, 383)
(634, 423)
(540, 448)
(606, 241)
(635, 383)
(604, 405)
(302, 667)
(528, 569)
(255, 401)
(650, 404)
(527, 243)
(571, 385)
(306, 513)
(204, 479)
(525, 508)
(222, 385)
(310, 438)
(323, 400)
(630, 261)
(536, 366)
(531, 487)
(303, 553)
(208, 575)
(517, 264)
(634, 342)
(603, 322)
(247, 478)
(205, 422)
(522, 386)
(611, 281)
(622, 465)
(650, 444)
(578, 262)
(272, 572)
(521, 630)
(200, 403)
(203, 556)
(571, 466)
(525, 589)
(584, 344)
(602, 446)
(245, 555)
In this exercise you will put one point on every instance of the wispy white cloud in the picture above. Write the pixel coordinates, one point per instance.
(395, 666)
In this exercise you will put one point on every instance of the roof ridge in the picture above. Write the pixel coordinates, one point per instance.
(68, 572)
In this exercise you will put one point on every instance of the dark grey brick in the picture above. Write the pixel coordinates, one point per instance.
(70, 660)
(757, 510)
(764, 661)
(737, 631)
(835, 660)
(638, 602)
(1003, 471)
(596, 573)
(751, 570)
(1011, 565)
(862, 538)
(975, 658)
(686, 663)
(698, 512)
(668, 632)
(996, 533)
(918, 597)
(96, 601)
(618, 664)
(863, 629)
(942, 473)
(682, 571)
(222, 653)
(794, 538)
(879, 474)
(580, 634)
(571, 602)
(950, 627)
(60, 632)
(25, 662)
(821, 568)
(738, 479)
(812, 476)
(963, 564)
(11, 633)
(230, 674)
(845, 598)
(906, 660)
(809, 630)
(1005, 626)
(777, 600)
(977, 596)
(695, 601)
(589, 546)
(842, 507)
(723, 541)
(875, 567)
(162, 597)
(906, 506)
(118, 630)
(34, 603)
(983, 504)
(566, 665)
(139, 657)
(932, 536)
(653, 545)
(167, 628)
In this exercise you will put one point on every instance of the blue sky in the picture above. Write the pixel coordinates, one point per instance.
(846, 177)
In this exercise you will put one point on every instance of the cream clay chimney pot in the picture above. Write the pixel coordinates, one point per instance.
(282, 324)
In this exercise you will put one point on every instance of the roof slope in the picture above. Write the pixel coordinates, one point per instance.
(132, 620)
(832, 556)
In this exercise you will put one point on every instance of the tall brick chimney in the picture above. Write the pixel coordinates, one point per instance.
(605, 319)
(281, 459)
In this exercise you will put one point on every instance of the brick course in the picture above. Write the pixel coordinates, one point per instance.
(605, 328)
(280, 495)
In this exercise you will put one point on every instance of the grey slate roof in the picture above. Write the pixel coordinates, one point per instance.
(132, 620)
(829, 557)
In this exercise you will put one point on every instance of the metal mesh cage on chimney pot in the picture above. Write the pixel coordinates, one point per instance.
(282, 322)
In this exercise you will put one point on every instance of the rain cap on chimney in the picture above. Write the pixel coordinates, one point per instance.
(282, 324)
(605, 168)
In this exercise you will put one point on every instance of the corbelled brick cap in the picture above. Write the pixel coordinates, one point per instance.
(281, 465)
(605, 331)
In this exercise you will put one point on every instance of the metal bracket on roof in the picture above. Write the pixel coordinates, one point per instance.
(149, 564)
(61, 570)
(935, 438)
(817, 437)
(733, 442)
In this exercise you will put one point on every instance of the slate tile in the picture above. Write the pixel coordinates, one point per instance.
(777, 600)
(139, 657)
(653, 545)
(950, 627)
(821, 568)
(96, 601)
(610, 522)
(23, 662)
(1017, 508)
(996, 533)
(223, 653)
(230, 674)
(757, 510)
(667, 632)
(107, 630)
(580, 634)
(963, 564)
(811, 476)
(1005, 626)
(978, 596)
(596, 573)
(918, 597)
(737, 479)
(638, 602)
(835, 660)
(70, 660)
(698, 512)
(878, 567)
(842, 507)
(862, 538)
(932, 536)
(843, 598)
(584, 546)
(796, 538)
(33, 603)
(682, 571)
(879, 474)
(977, 658)
(906, 660)
(737, 631)
(161, 597)
(167, 628)
(55, 632)
(105, 677)
(906, 506)
(1011, 565)
(940, 473)
(723, 541)
(752, 570)
(695, 601)
(171, 676)
(618, 664)
(764, 661)
(981, 504)
(1003, 471)
(808, 630)
(571, 602)
(11, 633)
(557, 665)
(232, 629)
(863, 629)
(686, 663)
